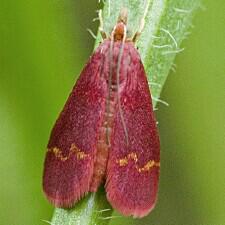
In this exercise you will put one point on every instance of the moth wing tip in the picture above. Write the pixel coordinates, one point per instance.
(126, 208)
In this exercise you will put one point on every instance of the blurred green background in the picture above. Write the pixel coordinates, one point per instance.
(43, 47)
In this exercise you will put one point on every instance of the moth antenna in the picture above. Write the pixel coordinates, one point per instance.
(142, 23)
(110, 83)
(101, 25)
(118, 81)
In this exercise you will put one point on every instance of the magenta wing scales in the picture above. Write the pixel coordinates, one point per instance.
(71, 150)
(133, 167)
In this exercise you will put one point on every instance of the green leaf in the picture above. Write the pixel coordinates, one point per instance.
(166, 26)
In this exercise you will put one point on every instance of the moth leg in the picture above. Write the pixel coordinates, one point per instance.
(142, 23)
(101, 25)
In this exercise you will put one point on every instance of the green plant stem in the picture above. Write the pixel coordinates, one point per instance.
(166, 26)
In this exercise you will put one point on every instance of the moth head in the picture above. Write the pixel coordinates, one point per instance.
(120, 29)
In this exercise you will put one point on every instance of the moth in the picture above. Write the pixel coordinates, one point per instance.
(106, 132)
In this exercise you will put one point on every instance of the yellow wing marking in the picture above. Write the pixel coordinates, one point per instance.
(150, 164)
(133, 156)
(73, 150)
(124, 161)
